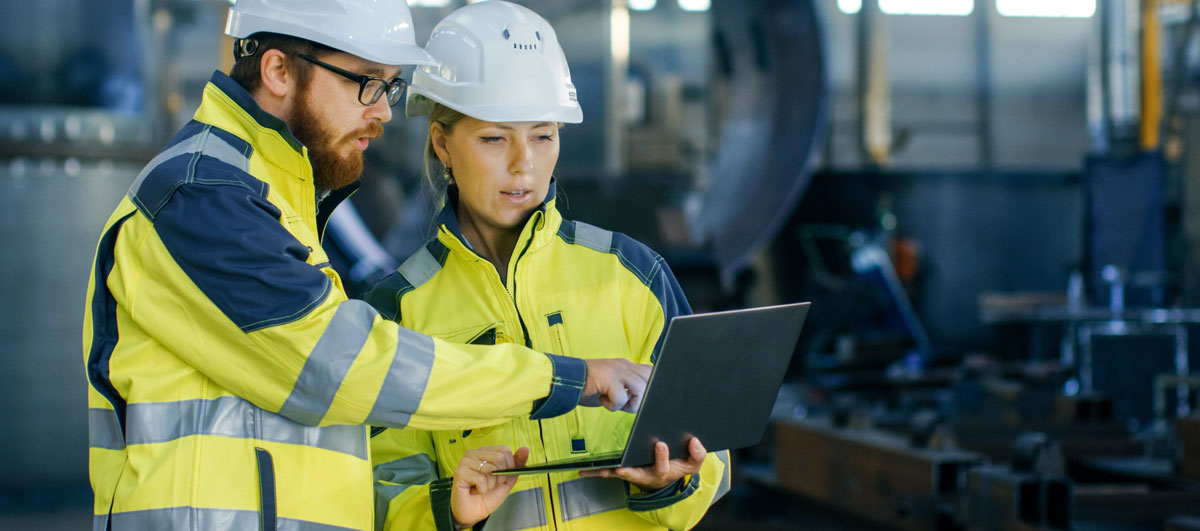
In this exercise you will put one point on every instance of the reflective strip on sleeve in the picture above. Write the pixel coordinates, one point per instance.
(522, 510)
(329, 362)
(203, 518)
(587, 496)
(405, 382)
(593, 237)
(209, 144)
(723, 486)
(104, 431)
(230, 416)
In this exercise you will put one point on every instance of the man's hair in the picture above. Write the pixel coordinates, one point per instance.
(246, 69)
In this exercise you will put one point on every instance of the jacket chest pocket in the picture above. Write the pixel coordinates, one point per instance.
(561, 344)
(480, 334)
(316, 254)
(558, 333)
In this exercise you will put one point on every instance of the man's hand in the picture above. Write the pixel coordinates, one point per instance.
(476, 491)
(663, 472)
(616, 384)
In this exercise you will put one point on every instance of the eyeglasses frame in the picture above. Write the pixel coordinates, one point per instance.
(398, 84)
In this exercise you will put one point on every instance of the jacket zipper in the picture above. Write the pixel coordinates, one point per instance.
(512, 294)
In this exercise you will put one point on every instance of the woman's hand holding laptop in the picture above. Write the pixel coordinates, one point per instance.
(663, 472)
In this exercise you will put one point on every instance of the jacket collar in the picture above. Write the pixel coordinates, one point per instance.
(230, 107)
(541, 226)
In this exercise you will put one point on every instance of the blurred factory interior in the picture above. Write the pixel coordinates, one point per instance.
(994, 206)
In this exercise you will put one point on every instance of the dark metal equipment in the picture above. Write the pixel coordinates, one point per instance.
(1032, 493)
(768, 59)
(874, 474)
(1187, 431)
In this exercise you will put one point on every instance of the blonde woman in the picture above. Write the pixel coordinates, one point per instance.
(505, 267)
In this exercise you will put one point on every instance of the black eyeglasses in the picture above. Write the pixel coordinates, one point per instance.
(369, 88)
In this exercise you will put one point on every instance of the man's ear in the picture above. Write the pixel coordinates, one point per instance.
(437, 138)
(277, 78)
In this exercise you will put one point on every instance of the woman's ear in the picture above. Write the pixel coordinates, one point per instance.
(276, 78)
(437, 138)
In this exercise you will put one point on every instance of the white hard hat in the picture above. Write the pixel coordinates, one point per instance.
(376, 30)
(498, 62)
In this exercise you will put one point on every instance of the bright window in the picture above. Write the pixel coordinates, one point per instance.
(913, 7)
(1046, 8)
(926, 7)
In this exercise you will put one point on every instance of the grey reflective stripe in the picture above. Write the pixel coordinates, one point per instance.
(593, 237)
(211, 145)
(405, 382)
(723, 486)
(230, 416)
(202, 518)
(104, 431)
(587, 496)
(420, 267)
(417, 469)
(521, 510)
(329, 362)
(414, 469)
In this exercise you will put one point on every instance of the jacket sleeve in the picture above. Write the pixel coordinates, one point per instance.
(682, 504)
(405, 476)
(227, 288)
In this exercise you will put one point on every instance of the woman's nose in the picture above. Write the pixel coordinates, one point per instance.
(522, 158)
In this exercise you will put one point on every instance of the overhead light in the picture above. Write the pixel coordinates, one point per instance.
(428, 3)
(695, 5)
(1046, 8)
(642, 5)
(927, 7)
(849, 7)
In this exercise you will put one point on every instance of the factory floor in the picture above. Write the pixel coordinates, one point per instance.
(748, 505)
(62, 520)
(745, 506)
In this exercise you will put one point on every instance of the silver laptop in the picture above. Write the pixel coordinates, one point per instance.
(716, 378)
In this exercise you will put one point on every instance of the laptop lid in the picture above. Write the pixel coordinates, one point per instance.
(716, 378)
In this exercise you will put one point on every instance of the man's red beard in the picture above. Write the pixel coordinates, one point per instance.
(330, 169)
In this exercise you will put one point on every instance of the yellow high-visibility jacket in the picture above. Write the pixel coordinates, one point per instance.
(571, 289)
(231, 380)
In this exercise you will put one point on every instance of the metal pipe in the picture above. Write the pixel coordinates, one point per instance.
(983, 88)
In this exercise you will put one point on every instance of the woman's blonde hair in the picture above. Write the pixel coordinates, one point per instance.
(436, 179)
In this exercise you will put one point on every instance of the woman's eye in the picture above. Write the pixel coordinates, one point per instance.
(491, 139)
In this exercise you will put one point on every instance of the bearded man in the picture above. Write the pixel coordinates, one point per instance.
(231, 381)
